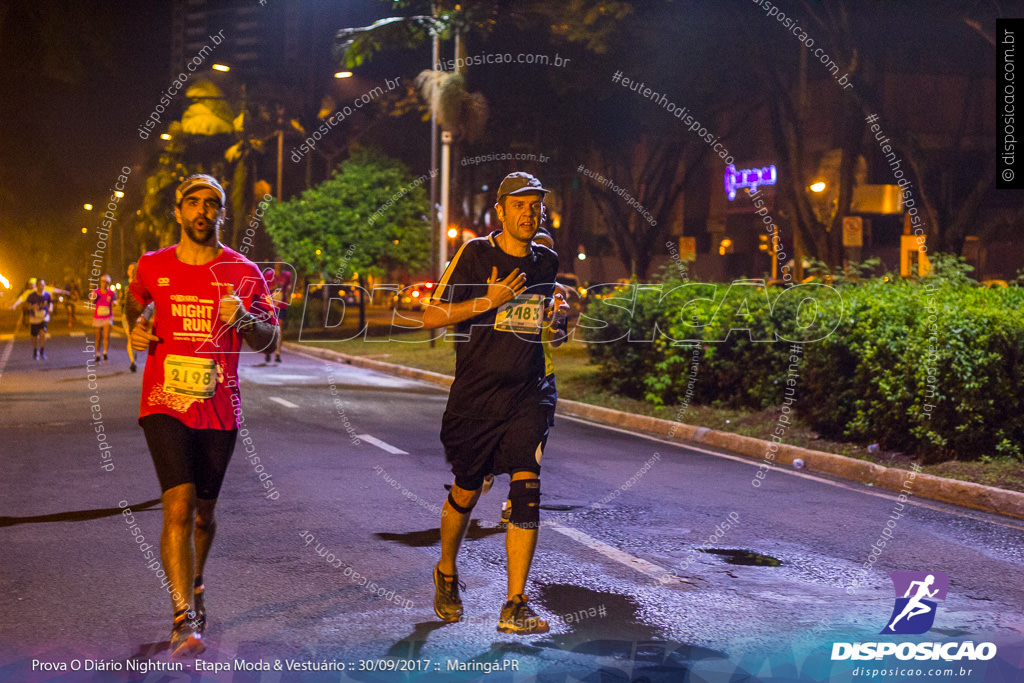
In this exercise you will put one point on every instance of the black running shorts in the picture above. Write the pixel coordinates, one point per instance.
(476, 448)
(36, 328)
(183, 455)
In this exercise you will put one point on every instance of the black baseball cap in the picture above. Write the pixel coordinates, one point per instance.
(519, 183)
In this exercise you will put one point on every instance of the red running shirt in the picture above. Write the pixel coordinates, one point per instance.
(192, 374)
(104, 303)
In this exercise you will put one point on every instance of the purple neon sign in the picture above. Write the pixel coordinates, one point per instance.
(748, 177)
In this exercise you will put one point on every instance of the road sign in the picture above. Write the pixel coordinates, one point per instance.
(853, 231)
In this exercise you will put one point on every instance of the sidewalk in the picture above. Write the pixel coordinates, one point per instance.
(966, 494)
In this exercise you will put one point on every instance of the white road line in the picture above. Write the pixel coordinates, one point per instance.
(858, 488)
(76, 334)
(6, 353)
(286, 404)
(383, 445)
(659, 574)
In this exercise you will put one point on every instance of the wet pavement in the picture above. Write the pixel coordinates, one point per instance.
(656, 559)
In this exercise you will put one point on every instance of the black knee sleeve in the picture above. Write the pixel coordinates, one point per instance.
(525, 497)
(459, 508)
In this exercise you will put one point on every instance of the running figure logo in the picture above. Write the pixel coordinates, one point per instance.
(916, 593)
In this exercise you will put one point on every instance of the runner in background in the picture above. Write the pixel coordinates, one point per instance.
(39, 306)
(129, 275)
(279, 282)
(103, 299)
(74, 293)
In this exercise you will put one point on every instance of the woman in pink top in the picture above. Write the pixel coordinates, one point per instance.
(103, 300)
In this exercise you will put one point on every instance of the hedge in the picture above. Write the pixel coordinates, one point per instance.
(934, 368)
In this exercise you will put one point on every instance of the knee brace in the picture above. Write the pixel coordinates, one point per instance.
(459, 508)
(525, 497)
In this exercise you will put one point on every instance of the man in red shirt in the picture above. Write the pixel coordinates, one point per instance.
(206, 299)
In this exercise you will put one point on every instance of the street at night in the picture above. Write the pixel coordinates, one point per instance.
(609, 574)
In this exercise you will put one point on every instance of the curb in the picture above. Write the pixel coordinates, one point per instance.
(963, 493)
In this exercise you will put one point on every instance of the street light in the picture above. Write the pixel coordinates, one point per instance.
(165, 136)
(818, 186)
(221, 67)
(87, 207)
(343, 74)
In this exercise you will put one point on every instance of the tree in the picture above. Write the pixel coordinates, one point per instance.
(368, 218)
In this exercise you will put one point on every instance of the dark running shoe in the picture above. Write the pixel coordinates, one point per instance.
(447, 603)
(132, 367)
(517, 617)
(186, 642)
(42, 354)
(277, 358)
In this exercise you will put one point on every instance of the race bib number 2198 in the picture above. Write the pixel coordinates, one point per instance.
(190, 376)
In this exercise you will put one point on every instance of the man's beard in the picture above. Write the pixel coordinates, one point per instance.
(207, 236)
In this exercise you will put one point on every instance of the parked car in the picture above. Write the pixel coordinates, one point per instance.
(412, 297)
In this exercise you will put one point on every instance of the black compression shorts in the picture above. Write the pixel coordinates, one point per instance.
(476, 448)
(182, 455)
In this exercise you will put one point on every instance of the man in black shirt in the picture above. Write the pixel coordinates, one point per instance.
(39, 305)
(497, 292)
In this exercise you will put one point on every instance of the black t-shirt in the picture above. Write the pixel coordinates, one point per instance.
(40, 306)
(499, 360)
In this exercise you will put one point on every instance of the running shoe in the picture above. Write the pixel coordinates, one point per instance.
(277, 358)
(42, 354)
(35, 354)
(132, 367)
(105, 358)
(447, 603)
(185, 640)
(518, 617)
(266, 358)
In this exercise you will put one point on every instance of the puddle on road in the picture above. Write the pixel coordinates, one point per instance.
(746, 558)
(429, 537)
(607, 625)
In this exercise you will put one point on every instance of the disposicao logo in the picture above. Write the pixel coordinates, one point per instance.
(916, 593)
(913, 614)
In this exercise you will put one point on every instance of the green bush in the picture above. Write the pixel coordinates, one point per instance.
(931, 366)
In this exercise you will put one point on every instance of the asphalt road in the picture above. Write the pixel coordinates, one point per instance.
(617, 571)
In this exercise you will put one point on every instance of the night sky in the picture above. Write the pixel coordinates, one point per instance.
(78, 78)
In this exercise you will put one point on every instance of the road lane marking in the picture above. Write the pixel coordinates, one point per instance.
(10, 347)
(859, 488)
(383, 445)
(76, 334)
(286, 404)
(659, 574)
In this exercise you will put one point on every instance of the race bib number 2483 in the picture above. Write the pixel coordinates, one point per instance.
(522, 314)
